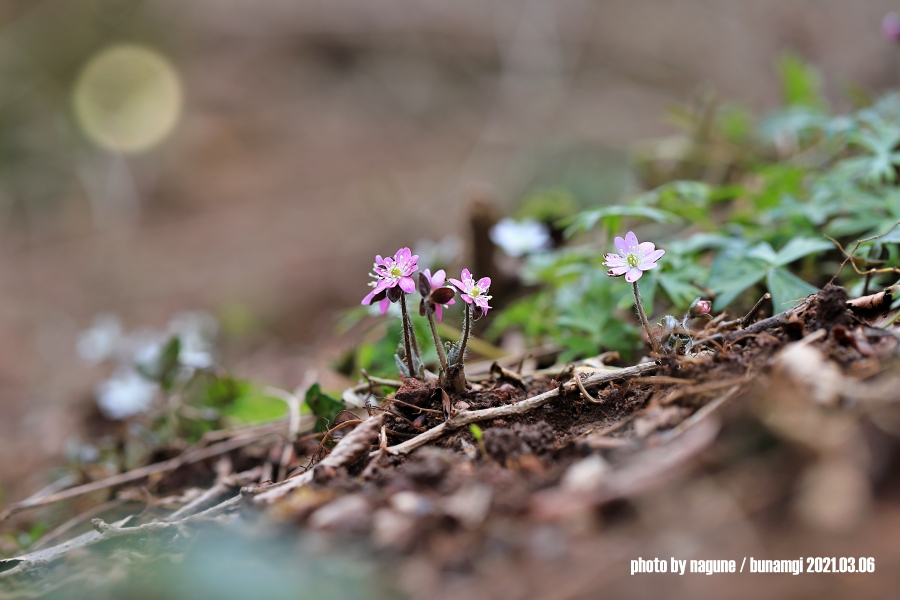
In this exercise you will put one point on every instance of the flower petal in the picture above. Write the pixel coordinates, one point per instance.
(614, 260)
(379, 260)
(382, 285)
(438, 312)
(633, 274)
(654, 256)
(407, 285)
(484, 283)
(402, 253)
(467, 298)
(384, 304)
(646, 266)
(452, 301)
(458, 284)
(438, 279)
(631, 241)
(621, 247)
(618, 271)
(646, 247)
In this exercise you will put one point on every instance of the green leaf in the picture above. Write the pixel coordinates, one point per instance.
(764, 252)
(786, 288)
(164, 369)
(322, 406)
(800, 247)
(735, 270)
(801, 83)
(587, 220)
(680, 292)
(253, 406)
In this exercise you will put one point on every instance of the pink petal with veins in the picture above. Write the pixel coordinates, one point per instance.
(633, 275)
(614, 260)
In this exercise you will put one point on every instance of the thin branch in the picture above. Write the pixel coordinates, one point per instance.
(351, 447)
(852, 259)
(466, 417)
(745, 320)
(585, 393)
(187, 457)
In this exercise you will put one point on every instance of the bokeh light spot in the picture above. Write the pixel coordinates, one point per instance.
(128, 98)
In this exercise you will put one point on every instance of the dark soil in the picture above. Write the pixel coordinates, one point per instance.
(737, 449)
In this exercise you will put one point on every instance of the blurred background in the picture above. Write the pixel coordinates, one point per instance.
(249, 158)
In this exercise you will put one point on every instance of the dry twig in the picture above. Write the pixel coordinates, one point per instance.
(351, 447)
(466, 417)
(187, 457)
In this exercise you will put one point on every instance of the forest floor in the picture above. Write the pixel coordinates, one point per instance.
(774, 439)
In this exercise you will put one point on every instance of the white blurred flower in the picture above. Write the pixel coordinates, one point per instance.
(143, 347)
(439, 255)
(101, 341)
(517, 238)
(196, 330)
(125, 394)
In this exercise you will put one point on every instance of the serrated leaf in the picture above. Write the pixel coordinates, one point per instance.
(786, 288)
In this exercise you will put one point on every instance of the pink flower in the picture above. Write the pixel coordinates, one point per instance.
(392, 272)
(890, 27)
(433, 294)
(472, 291)
(632, 258)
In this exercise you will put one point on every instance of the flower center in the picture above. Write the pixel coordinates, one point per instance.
(632, 260)
(475, 292)
(395, 272)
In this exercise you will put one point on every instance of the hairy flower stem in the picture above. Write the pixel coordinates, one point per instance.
(654, 343)
(456, 373)
(460, 360)
(406, 334)
(437, 344)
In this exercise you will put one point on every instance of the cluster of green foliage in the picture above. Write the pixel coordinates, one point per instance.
(742, 205)
(741, 208)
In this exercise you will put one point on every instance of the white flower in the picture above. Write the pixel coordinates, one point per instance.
(442, 254)
(517, 238)
(196, 331)
(100, 342)
(125, 394)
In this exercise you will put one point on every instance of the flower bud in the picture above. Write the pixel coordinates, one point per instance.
(700, 307)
